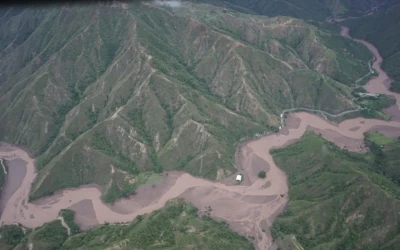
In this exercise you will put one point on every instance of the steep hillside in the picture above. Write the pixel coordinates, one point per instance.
(338, 199)
(101, 93)
(354, 7)
(174, 227)
(305, 9)
(382, 30)
(386, 152)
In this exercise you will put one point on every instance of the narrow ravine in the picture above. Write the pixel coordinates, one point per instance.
(3, 166)
(64, 224)
(249, 209)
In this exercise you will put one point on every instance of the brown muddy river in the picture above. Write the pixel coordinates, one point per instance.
(249, 208)
(14, 178)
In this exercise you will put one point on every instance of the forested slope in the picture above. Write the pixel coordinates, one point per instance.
(338, 199)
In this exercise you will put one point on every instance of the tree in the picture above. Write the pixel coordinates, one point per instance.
(12, 234)
(262, 174)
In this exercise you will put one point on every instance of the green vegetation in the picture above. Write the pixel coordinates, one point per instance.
(305, 9)
(115, 96)
(176, 226)
(338, 199)
(382, 30)
(385, 150)
(262, 174)
(373, 106)
(107, 94)
(395, 86)
(358, 90)
(153, 178)
(68, 216)
(11, 235)
(50, 236)
(379, 139)
(3, 168)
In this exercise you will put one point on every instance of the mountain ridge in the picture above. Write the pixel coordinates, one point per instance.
(127, 91)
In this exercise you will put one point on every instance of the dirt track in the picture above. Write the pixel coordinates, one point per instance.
(249, 208)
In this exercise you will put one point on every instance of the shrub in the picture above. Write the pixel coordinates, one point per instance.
(262, 174)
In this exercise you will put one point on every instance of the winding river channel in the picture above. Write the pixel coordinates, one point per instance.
(249, 208)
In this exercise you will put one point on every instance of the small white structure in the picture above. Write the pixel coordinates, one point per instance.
(367, 94)
(239, 177)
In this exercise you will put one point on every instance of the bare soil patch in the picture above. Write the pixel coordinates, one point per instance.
(85, 216)
(387, 131)
(146, 194)
(5, 147)
(242, 213)
(351, 144)
(394, 112)
(291, 122)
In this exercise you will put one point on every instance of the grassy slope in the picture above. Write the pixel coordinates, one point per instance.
(338, 199)
(382, 30)
(386, 151)
(102, 94)
(174, 227)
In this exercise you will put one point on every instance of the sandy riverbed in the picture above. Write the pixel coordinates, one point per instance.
(249, 208)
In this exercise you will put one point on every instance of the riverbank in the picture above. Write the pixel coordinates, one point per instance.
(252, 206)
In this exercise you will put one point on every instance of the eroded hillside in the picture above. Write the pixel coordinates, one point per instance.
(102, 93)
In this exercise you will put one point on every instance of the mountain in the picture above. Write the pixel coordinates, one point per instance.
(107, 92)
(305, 9)
(176, 226)
(354, 7)
(382, 30)
(340, 199)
